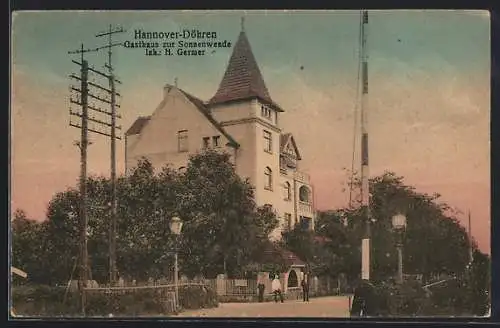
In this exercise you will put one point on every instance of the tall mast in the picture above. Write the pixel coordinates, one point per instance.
(471, 251)
(365, 191)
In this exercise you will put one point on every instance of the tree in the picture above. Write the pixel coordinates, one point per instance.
(434, 241)
(27, 245)
(223, 228)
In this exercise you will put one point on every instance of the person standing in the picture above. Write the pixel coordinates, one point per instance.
(261, 287)
(305, 288)
(276, 286)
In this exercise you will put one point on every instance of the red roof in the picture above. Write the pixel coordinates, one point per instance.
(275, 252)
(242, 79)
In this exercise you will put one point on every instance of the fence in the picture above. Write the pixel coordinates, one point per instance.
(233, 287)
(164, 295)
(238, 288)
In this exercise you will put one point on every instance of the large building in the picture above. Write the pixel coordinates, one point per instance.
(242, 119)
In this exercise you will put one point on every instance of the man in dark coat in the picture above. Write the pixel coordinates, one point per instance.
(261, 287)
(305, 288)
(364, 303)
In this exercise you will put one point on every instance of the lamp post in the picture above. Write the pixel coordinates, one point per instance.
(399, 225)
(175, 228)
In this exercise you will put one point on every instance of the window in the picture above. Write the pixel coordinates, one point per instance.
(265, 112)
(304, 194)
(288, 221)
(268, 141)
(287, 194)
(182, 140)
(215, 141)
(268, 182)
(282, 164)
(206, 142)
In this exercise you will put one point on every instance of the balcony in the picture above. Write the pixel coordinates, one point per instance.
(301, 177)
(305, 208)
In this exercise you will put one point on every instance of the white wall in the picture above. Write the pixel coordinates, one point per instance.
(159, 143)
(158, 140)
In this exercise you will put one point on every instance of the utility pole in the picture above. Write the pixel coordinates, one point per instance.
(88, 101)
(365, 191)
(114, 204)
(83, 144)
(471, 251)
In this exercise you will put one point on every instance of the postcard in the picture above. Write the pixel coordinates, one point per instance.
(328, 164)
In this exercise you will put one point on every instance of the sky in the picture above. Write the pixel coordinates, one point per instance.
(428, 112)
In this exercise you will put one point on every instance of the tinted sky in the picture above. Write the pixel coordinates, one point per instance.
(429, 95)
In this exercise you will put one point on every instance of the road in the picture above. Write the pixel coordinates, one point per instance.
(325, 307)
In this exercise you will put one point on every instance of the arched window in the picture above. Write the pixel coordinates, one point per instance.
(268, 182)
(304, 194)
(287, 192)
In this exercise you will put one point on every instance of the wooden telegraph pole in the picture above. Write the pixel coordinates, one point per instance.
(112, 91)
(82, 101)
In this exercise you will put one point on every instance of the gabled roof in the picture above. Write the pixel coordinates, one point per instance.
(242, 79)
(205, 111)
(285, 140)
(138, 125)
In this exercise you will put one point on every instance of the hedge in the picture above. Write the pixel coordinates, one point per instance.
(453, 298)
(46, 301)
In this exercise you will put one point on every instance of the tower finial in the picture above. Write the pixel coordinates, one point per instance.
(242, 23)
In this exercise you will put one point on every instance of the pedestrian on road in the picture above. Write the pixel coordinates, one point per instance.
(276, 285)
(261, 287)
(305, 288)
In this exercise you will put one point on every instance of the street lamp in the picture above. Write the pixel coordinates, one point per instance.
(175, 228)
(399, 225)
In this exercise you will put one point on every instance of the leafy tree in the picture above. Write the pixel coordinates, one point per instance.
(434, 241)
(27, 244)
(223, 227)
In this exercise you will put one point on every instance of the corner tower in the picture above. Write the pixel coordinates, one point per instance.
(243, 105)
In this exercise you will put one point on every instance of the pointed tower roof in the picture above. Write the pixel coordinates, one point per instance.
(242, 79)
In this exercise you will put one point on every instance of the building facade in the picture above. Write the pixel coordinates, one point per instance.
(241, 119)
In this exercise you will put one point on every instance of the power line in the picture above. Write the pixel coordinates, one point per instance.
(83, 144)
(114, 205)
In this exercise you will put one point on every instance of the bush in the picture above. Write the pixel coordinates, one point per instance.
(46, 301)
(197, 297)
(406, 300)
(451, 298)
